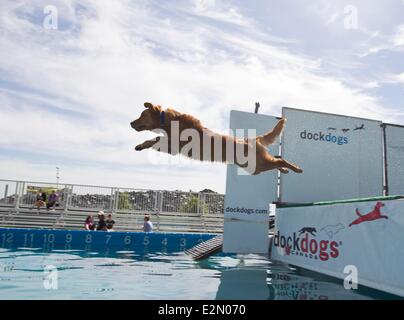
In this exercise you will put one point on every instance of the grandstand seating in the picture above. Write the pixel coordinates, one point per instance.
(167, 222)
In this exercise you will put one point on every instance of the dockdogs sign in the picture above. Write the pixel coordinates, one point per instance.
(342, 157)
(327, 238)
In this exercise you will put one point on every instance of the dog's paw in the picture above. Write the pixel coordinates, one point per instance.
(283, 170)
(299, 170)
(139, 148)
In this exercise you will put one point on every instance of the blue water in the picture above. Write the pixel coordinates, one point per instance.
(108, 274)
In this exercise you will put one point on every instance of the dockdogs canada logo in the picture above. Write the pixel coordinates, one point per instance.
(306, 245)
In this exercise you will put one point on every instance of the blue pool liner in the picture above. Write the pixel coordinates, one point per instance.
(50, 239)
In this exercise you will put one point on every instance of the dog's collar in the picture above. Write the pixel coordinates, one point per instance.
(162, 118)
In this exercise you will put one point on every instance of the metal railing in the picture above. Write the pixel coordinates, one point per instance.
(22, 194)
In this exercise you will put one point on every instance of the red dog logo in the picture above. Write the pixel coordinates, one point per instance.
(373, 215)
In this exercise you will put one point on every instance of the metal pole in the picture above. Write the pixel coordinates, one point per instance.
(160, 208)
(386, 177)
(156, 201)
(116, 200)
(67, 198)
(17, 196)
(21, 192)
(57, 177)
(257, 106)
(198, 211)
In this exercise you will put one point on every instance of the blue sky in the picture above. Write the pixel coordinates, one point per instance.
(67, 95)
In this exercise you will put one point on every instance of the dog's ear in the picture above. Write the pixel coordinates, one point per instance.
(152, 107)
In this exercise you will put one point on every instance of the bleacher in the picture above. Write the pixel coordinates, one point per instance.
(168, 222)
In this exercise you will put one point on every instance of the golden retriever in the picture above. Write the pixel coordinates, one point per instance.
(174, 125)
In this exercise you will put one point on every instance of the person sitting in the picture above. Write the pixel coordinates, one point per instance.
(110, 222)
(43, 194)
(101, 225)
(89, 224)
(40, 200)
(52, 200)
(147, 225)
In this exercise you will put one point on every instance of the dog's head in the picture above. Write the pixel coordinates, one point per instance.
(149, 118)
(379, 205)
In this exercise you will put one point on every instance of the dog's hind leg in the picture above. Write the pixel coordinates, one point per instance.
(270, 137)
(286, 164)
(270, 163)
(279, 164)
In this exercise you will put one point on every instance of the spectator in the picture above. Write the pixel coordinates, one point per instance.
(110, 222)
(147, 225)
(43, 193)
(101, 225)
(53, 199)
(89, 224)
(40, 199)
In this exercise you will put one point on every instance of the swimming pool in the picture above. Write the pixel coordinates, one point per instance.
(147, 271)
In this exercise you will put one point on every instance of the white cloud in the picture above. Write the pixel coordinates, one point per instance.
(400, 77)
(394, 42)
(377, 25)
(387, 79)
(398, 38)
(221, 11)
(372, 84)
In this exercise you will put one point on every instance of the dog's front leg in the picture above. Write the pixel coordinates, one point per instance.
(147, 144)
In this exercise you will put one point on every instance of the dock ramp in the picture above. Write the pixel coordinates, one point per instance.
(207, 248)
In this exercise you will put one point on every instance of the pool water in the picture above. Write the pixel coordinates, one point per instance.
(29, 273)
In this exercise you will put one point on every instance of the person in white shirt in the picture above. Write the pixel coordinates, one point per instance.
(147, 225)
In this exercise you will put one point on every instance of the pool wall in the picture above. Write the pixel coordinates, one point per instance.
(49, 239)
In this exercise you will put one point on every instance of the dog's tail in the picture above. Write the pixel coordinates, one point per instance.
(270, 137)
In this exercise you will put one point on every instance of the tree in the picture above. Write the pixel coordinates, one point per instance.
(123, 201)
(190, 205)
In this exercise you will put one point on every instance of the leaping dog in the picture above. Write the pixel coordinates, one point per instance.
(161, 121)
(375, 214)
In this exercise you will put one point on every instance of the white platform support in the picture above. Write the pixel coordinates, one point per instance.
(247, 200)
